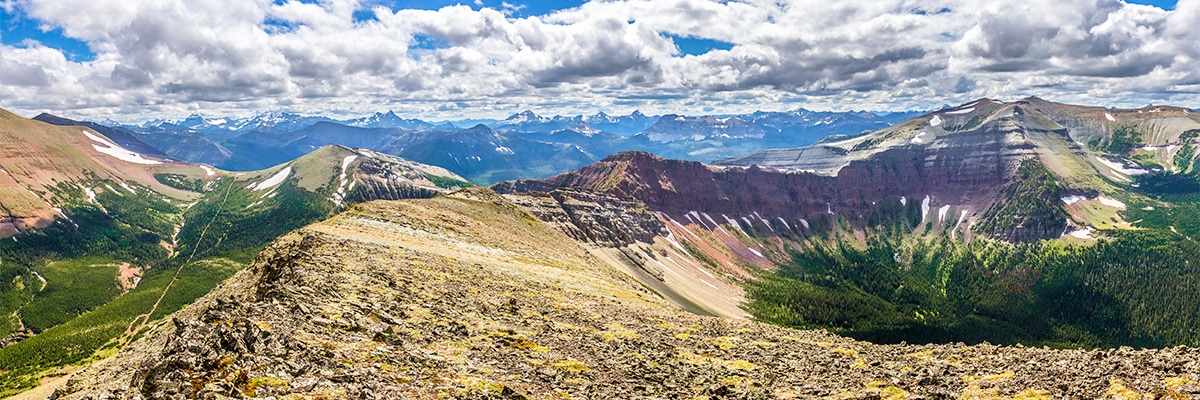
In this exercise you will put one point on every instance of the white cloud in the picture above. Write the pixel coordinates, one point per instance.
(173, 57)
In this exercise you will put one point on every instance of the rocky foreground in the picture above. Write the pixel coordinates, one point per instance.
(467, 296)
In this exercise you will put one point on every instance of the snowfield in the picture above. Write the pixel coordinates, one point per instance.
(118, 152)
(937, 120)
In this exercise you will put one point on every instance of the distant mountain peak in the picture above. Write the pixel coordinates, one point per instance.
(522, 117)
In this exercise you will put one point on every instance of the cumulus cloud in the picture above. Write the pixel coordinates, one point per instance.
(172, 57)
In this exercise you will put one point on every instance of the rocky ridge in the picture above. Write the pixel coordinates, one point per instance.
(467, 296)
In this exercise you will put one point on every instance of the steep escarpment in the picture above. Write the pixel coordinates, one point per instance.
(466, 297)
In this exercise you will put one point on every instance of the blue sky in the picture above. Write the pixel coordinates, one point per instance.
(486, 58)
(19, 28)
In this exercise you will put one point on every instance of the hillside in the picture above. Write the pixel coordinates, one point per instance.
(101, 240)
(986, 222)
(467, 296)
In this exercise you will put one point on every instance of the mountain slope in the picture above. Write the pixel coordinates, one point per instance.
(988, 221)
(40, 160)
(466, 296)
(100, 240)
(121, 136)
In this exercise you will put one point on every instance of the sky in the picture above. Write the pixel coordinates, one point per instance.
(135, 60)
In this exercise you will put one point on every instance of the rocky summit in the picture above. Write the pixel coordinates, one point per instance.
(469, 296)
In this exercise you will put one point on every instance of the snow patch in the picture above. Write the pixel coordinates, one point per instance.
(129, 188)
(735, 224)
(903, 201)
(1073, 199)
(118, 152)
(917, 139)
(804, 222)
(504, 150)
(1111, 202)
(273, 181)
(339, 196)
(711, 220)
(1120, 167)
(961, 216)
(208, 171)
(942, 213)
(1082, 233)
(91, 195)
(1110, 117)
(935, 121)
(755, 252)
(346, 163)
(785, 224)
(924, 208)
(962, 111)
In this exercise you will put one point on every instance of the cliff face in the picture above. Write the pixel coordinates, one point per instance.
(594, 218)
(467, 297)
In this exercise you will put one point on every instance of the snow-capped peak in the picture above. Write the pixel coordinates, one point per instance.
(522, 117)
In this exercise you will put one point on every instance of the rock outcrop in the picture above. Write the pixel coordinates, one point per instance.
(592, 217)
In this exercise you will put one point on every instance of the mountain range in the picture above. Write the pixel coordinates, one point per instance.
(522, 145)
(951, 226)
(912, 246)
